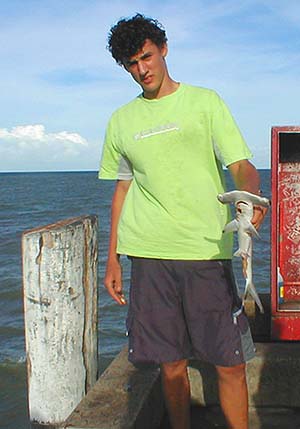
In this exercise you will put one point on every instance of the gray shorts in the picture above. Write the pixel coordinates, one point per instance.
(186, 309)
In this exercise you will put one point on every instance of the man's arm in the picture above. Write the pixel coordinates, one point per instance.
(113, 275)
(246, 178)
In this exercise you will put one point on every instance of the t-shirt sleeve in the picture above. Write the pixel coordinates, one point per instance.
(229, 144)
(114, 164)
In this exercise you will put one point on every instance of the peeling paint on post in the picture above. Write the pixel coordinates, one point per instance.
(60, 308)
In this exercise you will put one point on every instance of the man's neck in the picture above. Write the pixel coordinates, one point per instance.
(168, 87)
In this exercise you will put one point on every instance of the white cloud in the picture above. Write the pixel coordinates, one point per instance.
(36, 135)
(32, 144)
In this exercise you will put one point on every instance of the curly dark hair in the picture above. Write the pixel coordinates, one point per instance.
(128, 36)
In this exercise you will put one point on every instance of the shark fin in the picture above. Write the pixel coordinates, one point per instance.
(231, 226)
(252, 230)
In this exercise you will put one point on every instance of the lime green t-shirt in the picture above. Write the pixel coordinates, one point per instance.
(173, 148)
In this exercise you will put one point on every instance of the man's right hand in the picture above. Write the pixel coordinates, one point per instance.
(113, 281)
(113, 275)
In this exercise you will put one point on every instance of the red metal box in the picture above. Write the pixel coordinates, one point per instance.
(285, 233)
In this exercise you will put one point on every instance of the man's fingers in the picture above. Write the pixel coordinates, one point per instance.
(115, 291)
(122, 299)
(259, 214)
(113, 282)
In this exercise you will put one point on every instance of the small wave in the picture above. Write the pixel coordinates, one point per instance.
(9, 360)
(21, 359)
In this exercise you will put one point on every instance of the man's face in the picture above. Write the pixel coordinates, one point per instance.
(148, 68)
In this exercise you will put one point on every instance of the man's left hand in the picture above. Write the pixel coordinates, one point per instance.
(259, 214)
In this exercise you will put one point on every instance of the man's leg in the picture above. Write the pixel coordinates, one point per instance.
(176, 389)
(233, 395)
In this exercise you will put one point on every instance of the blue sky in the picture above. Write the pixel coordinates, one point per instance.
(59, 85)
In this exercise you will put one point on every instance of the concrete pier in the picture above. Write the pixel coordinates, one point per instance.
(126, 397)
(123, 397)
(129, 397)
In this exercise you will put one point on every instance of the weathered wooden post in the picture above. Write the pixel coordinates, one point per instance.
(60, 305)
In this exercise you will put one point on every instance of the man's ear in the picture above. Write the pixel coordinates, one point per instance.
(164, 50)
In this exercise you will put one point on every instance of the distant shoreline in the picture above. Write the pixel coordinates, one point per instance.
(48, 171)
(74, 171)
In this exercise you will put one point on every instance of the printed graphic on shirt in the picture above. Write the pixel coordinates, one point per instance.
(166, 128)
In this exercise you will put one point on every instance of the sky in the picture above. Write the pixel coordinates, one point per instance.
(59, 84)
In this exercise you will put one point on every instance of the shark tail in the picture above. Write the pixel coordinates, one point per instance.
(241, 253)
(252, 291)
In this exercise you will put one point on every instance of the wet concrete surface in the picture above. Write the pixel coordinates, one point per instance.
(259, 418)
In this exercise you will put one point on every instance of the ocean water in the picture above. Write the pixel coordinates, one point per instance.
(29, 200)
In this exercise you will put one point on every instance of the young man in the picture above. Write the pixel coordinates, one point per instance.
(166, 149)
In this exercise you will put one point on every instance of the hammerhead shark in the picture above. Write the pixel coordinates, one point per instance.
(244, 202)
